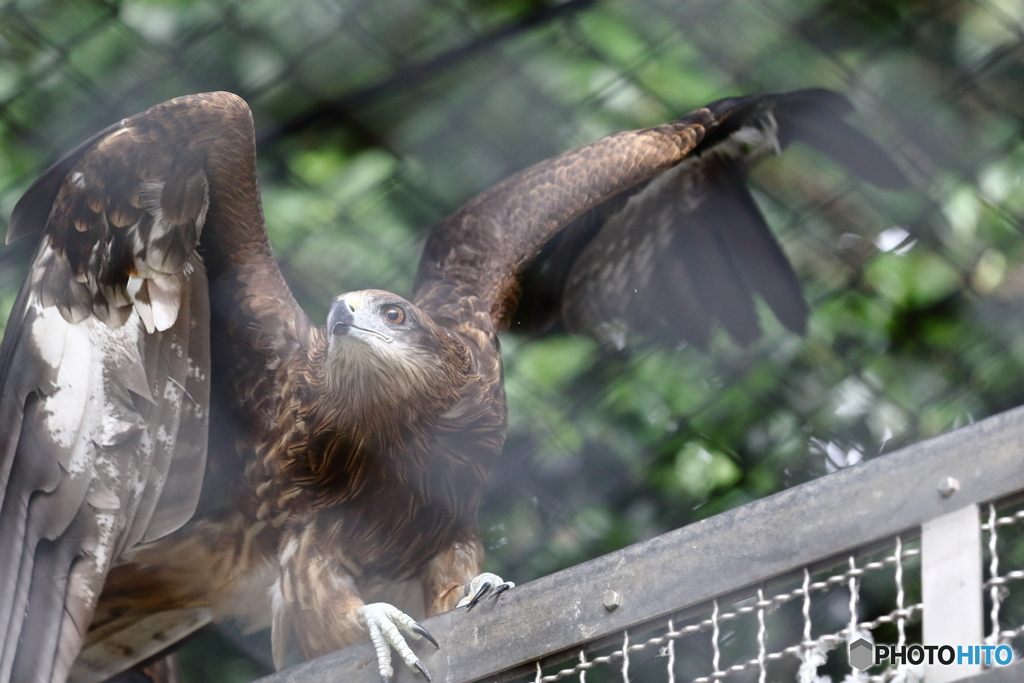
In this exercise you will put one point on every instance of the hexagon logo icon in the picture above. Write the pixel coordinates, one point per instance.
(862, 654)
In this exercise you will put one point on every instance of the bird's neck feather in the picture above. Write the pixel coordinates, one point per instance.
(380, 395)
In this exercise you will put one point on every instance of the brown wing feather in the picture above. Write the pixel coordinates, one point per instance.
(485, 246)
(688, 250)
(696, 233)
(672, 256)
(105, 364)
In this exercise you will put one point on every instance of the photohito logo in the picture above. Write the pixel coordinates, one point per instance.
(863, 654)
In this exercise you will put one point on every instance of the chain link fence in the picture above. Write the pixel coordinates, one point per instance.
(376, 119)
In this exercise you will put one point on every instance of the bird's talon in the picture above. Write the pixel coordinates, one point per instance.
(481, 586)
(417, 628)
(385, 623)
(479, 595)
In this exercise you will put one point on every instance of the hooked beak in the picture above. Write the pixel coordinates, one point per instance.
(341, 320)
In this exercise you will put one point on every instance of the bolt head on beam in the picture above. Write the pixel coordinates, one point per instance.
(612, 600)
(948, 486)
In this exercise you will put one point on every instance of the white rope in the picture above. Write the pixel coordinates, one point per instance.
(717, 656)
(902, 672)
(854, 675)
(671, 653)
(813, 653)
(761, 653)
(995, 590)
(901, 622)
(807, 605)
(854, 595)
(1004, 521)
(625, 656)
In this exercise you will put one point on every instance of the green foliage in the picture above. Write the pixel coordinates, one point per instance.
(906, 340)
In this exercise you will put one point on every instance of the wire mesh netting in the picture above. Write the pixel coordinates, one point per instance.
(375, 119)
(799, 627)
(794, 628)
(1004, 568)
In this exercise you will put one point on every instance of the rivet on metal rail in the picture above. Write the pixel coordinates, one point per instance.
(948, 486)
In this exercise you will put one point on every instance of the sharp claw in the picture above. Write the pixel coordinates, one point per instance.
(500, 589)
(423, 632)
(385, 623)
(484, 587)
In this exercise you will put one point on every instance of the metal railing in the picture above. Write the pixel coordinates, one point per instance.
(424, 102)
(749, 564)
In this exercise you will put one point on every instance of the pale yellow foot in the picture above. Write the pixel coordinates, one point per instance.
(481, 586)
(383, 621)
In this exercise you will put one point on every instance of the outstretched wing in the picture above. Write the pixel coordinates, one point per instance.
(105, 364)
(652, 230)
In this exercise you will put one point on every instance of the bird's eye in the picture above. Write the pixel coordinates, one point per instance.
(394, 315)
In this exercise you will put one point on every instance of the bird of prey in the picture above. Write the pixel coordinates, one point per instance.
(180, 443)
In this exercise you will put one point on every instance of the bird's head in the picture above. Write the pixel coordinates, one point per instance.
(381, 345)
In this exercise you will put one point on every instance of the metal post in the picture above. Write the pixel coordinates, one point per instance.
(951, 588)
(552, 617)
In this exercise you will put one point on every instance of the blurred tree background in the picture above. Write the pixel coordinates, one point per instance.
(376, 118)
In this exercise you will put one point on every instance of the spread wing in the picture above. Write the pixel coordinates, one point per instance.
(105, 364)
(652, 231)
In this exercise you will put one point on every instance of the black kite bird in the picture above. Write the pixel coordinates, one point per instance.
(346, 463)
